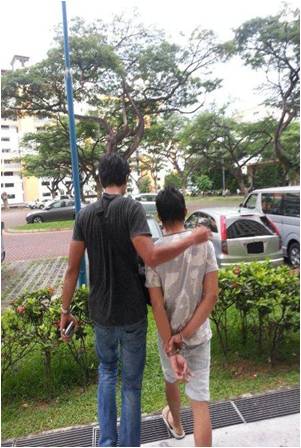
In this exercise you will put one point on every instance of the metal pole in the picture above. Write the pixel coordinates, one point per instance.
(72, 131)
(223, 175)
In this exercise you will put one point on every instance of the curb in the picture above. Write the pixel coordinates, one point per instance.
(22, 232)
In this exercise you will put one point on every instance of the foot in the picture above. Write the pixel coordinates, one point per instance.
(176, 430)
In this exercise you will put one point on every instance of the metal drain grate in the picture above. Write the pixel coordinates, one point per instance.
(80, 436)
(153, 428)
(274, 404)
(270, 405)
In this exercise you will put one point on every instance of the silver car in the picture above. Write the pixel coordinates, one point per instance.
(282, 206)
(237, 238)
(148, 202)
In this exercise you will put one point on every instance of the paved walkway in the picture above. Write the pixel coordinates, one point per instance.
(20, 276)
(281, 431)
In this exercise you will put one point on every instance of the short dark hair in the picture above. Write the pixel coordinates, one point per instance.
(170, 205)
(113, 170)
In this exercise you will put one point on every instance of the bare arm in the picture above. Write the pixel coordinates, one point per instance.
(203, 311)
(76, 252)
(154, 255)
(177, 362)
(159, 313)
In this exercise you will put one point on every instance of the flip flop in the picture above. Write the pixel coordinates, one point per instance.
(168, 425)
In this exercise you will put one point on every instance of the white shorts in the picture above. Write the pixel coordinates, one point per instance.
(198, 361)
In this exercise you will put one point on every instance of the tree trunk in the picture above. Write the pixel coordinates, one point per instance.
(98, 188)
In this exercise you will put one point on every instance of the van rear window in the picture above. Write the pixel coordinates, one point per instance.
(243, 228)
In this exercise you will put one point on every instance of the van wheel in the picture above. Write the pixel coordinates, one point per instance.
(294, 254)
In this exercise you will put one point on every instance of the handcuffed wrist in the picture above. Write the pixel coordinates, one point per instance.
(172, 353)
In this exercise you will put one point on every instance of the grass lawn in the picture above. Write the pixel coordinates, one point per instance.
(27, 406)
(213, 201)
(43, 226)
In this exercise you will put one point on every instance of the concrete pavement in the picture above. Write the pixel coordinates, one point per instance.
(275, 432)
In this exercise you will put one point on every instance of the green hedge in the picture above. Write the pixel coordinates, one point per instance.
(259, 301)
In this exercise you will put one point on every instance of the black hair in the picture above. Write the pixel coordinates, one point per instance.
(113, 170)
(170, 205)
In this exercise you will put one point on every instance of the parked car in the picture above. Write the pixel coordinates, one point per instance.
(54, 211)
(2, 243)
(282, 206)
(156, 234)
(146, 197)
(237, 238)
(148, 201)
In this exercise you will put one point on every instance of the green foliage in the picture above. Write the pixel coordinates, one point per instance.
(144, 184)
(257, 309)
(217, 141)
(51, 157)
(203, 182)
(173, 180)
(33, 323)
(269, 176)
(122, 71)
(267, 302)
(272, 44)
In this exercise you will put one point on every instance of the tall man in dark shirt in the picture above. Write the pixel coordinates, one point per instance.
(114, 230)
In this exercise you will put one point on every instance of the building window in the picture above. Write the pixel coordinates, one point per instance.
(8, 173)
(8, 185)
(4, 126)
(11, 196)
(7, 161)
(46, 195)
(5, 150)
(5, 139)
(45, 183)
(40, 128)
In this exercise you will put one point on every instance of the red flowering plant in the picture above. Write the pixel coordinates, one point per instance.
(33, 321)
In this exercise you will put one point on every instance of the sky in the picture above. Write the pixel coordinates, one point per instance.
(26, 28)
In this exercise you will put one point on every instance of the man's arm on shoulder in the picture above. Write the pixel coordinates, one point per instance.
(155, 255)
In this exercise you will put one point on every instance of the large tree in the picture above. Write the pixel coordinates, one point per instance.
(163, 141)
(50, 155)
(224, 142)
(122, 72)
(272, 44)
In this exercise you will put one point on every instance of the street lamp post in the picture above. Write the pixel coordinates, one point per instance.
(223, 175)
(72, 131)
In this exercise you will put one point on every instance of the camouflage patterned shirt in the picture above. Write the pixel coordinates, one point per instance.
(181, 280)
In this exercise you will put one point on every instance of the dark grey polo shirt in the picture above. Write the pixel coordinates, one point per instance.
(116, 294)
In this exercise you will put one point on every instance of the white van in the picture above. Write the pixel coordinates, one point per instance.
(282, 207)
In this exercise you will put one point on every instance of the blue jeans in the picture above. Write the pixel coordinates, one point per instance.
(127, 343)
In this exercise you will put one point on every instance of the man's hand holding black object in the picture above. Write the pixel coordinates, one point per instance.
(65, 321)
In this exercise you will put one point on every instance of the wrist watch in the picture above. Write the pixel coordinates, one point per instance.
(65, 310)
